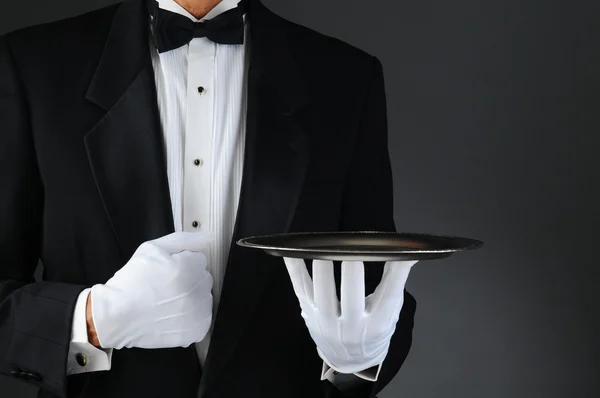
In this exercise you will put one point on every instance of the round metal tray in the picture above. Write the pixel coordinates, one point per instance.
(360, 245)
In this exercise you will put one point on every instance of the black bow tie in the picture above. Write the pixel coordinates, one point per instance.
(171, 30)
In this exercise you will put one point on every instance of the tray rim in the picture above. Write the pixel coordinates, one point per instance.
(475, 244)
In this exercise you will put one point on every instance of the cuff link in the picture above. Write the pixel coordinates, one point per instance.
(81, 359)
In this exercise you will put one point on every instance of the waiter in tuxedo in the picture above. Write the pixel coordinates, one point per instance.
(138, 143)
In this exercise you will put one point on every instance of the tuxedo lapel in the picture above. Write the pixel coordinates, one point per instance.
(276, 159)
(125, 147)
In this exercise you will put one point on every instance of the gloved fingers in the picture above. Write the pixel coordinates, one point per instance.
(186, 270)
(179, 241)
(352, 290)
(390, 291)
(300, 279)
(190, 260)
(326, 299)
(397, 272)
(188, 333)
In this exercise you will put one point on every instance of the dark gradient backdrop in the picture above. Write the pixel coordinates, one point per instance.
(494, 116)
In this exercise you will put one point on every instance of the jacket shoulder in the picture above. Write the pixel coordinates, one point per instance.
(311, 44)
(58, 35)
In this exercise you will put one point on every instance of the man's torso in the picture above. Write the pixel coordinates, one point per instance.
(96, 133)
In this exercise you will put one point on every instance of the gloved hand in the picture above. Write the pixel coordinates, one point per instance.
(160, 299)
(354, 335)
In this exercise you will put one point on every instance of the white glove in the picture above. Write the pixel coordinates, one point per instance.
(160, 299)
(354, 335)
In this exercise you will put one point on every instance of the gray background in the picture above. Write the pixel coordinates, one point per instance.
(494, 116)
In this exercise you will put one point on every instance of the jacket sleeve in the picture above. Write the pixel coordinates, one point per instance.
(368, 206)
(35, 317)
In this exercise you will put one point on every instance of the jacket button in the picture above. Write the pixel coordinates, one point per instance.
(24, 375)
(16, 372)
(34, 376)
(81, 359)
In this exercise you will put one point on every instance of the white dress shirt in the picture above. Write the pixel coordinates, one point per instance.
(201, 93)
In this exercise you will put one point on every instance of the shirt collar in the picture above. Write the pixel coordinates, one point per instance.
(173, 6)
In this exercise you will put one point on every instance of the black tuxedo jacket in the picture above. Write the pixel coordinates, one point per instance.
(83, 183)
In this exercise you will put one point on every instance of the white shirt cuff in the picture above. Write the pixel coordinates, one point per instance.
(370, 374)
(83, 356)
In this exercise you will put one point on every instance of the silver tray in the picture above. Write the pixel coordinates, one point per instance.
(360, 245)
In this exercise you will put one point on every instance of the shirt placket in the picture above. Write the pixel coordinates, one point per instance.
(198, 135)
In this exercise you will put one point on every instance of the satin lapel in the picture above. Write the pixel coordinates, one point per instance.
(125, 148)
(276, 158)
